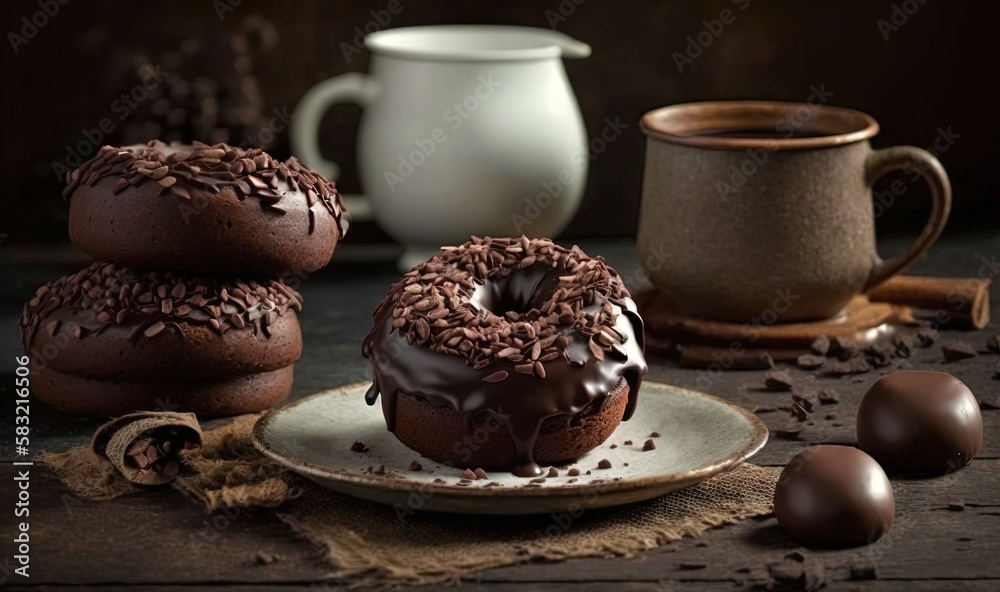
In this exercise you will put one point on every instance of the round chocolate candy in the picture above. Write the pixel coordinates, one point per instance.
(834, 495)
(917, 421)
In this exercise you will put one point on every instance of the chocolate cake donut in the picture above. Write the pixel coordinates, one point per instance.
(204, 208)
(506, 353)
(111, 339)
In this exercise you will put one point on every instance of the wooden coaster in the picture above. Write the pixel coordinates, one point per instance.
(666, 329)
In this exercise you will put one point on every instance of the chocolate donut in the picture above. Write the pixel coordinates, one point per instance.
(201, 208)
(506, 352)
(111, 339)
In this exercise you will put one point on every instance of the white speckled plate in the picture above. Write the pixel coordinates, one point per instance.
(701, 436)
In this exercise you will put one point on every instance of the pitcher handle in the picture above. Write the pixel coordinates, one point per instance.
(353, 87)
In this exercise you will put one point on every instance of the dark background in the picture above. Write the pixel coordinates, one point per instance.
(228, 73)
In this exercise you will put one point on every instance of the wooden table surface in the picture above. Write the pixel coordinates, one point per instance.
(158, 541)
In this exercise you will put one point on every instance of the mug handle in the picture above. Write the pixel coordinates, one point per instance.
(896, 158)
(353, 87)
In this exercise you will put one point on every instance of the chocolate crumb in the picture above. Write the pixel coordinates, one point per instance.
(263, 558)
(905, 345)
(415, 466)
(573, 480)
(810, 361)
(927, 336)
(654, 434)
(853, 365)
(862, 570)
(843, 348)
(359, 447)
(480, 474)
(587, 473)
(613, 446)
(537, 480)
(469, 474)
(778, 381)
(828, 396)
(573, 472)
(648, 445)
(553, 472)
(957, 350)
(989, 402)
(799, 412)
(604, 464)
(628, 442)
(438, 480)
(807, 400)
(821, 345)
(790, 431)
(626, 464)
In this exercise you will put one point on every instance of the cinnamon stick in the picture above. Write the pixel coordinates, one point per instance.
(961, 302)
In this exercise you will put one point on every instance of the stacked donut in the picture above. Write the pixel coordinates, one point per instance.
(188, 305)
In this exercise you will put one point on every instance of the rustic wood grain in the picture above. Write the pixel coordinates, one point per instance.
(159, 541)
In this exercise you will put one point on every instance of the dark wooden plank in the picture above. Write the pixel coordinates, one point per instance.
(78, 542)
(670, 585)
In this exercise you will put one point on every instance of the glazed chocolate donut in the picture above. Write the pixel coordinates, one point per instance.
(505, 352)
(111, 339)
(201, 208)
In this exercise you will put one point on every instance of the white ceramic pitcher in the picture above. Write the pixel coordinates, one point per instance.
(466, 129)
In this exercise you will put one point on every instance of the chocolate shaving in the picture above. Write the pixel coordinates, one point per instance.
(105, 294)
(180, 169)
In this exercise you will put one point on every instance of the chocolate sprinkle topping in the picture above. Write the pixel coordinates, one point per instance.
(179, 169)
(104, 295)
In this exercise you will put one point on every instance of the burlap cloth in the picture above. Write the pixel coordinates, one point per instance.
(368, 544)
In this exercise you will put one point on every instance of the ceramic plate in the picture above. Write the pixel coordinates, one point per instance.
(701, 436)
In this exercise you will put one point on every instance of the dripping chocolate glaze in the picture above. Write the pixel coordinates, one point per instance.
(177, 169)
(602, 342)
(108, 297)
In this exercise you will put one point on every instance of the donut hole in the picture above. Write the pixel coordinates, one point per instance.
(520, 292)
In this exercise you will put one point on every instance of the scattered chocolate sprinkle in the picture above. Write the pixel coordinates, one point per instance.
(431, 306)
(603, 464)
(778, 381)
(469, 474)
(927, 336)
(573, 480)
(587, 473)
(957, 350)
(628, 442)
(810, 361)
(438, 480)
(989, 402)
(807, 400)
(613, 446)
(796, 571)
(359, 447)
(180, 169)
(480, 474)
(860, 569)
(537, 480)
(821, 345)
(553, 472)
(573, 472)
(791, 430)
(853, 365)
(415, 466)
(104, 294)
(828, 396)
(648, 445)
(626, 464)
(654, 434)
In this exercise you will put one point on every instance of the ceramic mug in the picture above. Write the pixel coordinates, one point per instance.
(760, 209)
(465, 129)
